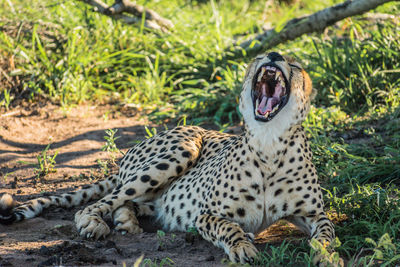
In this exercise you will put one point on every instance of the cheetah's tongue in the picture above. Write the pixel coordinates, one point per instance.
(267, 103)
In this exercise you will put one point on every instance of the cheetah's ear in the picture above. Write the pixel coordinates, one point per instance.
(308, 88)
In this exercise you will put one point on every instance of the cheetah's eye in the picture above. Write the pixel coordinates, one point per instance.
(295, 65)
(270, 91)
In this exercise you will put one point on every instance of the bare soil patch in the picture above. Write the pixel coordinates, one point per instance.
(78, 136)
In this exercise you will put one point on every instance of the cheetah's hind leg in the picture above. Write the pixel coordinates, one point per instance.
(143, 180)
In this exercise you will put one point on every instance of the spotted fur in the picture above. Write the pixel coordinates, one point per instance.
(227, 186)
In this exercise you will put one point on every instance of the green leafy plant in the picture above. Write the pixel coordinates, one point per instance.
(150, 132)
(192, 230)
(163, 262)
(323, 251)
(6, 101)
(110, 145)
(45, 163)
(6, 175)
(385, 252)
(105, 169)
(161, 238)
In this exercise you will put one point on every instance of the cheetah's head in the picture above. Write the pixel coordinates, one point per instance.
(276, 90)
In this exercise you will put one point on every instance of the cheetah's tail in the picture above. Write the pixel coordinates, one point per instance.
(9, 213)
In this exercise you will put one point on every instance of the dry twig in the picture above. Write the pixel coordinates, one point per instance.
(121, 8)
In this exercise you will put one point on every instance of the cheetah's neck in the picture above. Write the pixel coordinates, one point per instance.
(268, 144)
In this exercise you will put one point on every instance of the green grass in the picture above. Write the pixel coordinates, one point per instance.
(73, 56)
(45, 163)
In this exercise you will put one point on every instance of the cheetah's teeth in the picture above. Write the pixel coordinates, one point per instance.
(275, 109)
(261, 74)
(281, 82)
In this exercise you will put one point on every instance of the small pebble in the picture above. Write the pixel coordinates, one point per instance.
(111, 252)
(210, 258)
(44, 250)
(98, 245)
(110, 244)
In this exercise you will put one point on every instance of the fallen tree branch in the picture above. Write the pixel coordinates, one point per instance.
(152, 19)
(316, 22)
(137, 10)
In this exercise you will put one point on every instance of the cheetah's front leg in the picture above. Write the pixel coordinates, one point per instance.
(321, 229)
(324, 232)
(229, 236)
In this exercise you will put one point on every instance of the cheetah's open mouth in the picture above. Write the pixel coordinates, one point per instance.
(270, 92)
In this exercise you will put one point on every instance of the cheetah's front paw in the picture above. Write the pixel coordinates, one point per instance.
(128, 227)
(91, 226)
(243, 252)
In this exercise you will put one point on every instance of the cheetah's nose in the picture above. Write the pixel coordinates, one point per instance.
(274, 56)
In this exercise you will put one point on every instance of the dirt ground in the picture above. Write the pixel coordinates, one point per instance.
(78, 136)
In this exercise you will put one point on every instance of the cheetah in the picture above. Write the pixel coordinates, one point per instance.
(229, 187)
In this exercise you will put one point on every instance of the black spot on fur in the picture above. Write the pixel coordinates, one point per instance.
(162, 166)
(186, 154)
(277, 192)
(179, 169)
(249, 198)
(285, 207)
(241, 212)
(130, 191)
(145, 178)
